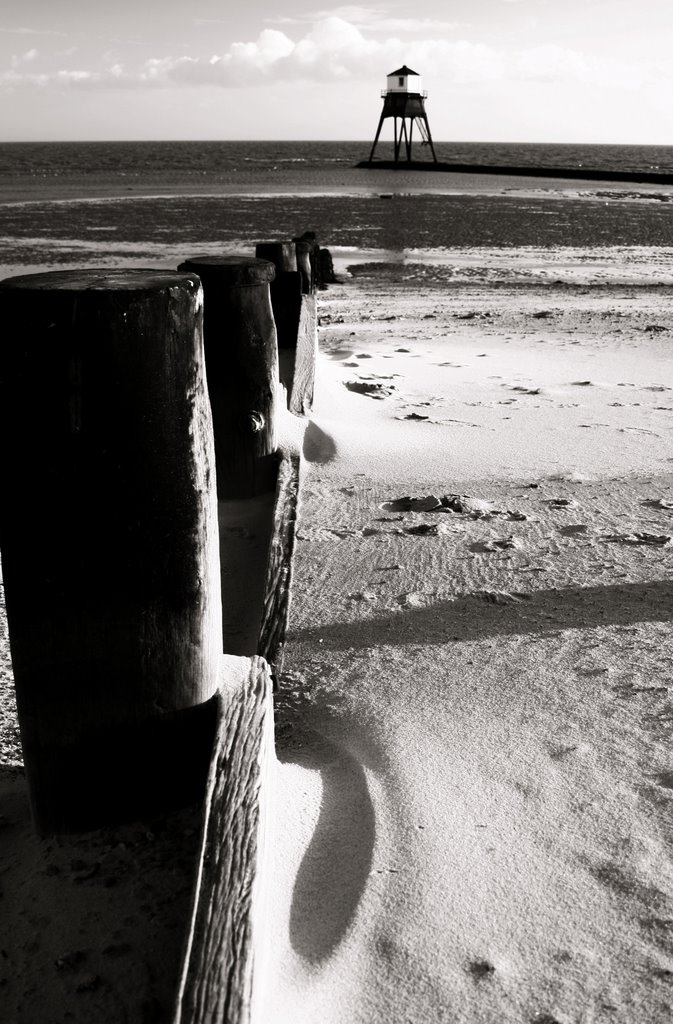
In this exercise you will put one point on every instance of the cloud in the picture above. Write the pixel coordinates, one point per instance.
(22, 31)
(335, 48)
(551, 63)
(17, 59)
(372, 18)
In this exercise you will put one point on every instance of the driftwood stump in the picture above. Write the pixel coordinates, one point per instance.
(108, 530)
(242, 369)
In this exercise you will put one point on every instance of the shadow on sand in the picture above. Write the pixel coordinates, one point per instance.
(319, 446)
(335, 868)
(473, 617)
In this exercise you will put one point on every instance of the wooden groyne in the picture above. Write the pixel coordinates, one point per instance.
(136, 404)
(572, 173)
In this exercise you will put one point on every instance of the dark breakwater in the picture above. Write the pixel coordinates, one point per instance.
(527, 170)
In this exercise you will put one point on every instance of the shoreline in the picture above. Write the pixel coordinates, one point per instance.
(356, 181)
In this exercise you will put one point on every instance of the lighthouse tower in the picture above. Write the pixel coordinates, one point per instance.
(404, 100)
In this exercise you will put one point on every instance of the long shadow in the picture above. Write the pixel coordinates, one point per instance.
(335, 868)
(474, 616)
(318, 445)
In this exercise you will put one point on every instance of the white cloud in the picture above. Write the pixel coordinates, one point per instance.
(22, 31)
(336, 48)
(372, 18)
(553, 63)
(17, 60)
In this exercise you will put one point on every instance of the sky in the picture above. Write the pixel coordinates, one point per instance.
(495, 70)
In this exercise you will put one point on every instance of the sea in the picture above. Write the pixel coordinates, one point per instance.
(136, 159)
(107, 203)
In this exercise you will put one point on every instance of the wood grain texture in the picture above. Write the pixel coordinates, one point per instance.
(217, 983)
(108, 528)
(241, 351)
(279, 566)
(300, 400)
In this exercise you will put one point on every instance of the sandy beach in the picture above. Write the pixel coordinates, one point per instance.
(475, 754)
(474, 784)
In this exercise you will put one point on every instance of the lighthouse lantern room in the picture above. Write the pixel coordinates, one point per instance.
(404, 101)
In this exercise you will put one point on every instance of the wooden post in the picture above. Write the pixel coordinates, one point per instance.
(223, 966)
(286, 289)
(326, 273)
(108, 529)
(242, 370)
(286, 301)
(307, 258)
(277, 590)
(280, 253)
(303, 378)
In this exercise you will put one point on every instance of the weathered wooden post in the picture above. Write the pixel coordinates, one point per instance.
(303, 380)
(307, 250)
(108, 530)
(286, 289)
(286, 302)
(326, 273)
(242, 370)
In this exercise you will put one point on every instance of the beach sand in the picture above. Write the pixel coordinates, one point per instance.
(474, 789)
(474, 783)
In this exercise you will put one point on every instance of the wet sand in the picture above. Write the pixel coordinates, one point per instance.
(290, 180)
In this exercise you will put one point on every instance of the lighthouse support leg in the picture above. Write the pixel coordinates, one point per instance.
(376, 138)
(397, 134)
(427, 128)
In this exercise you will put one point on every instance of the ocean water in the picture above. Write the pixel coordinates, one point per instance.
(163, 203)
(136, 159)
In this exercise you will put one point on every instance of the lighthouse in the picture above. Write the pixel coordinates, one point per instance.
(404, 100)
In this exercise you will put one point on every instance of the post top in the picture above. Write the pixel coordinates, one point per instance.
(101, 279)
(281, 253)
(231, 270)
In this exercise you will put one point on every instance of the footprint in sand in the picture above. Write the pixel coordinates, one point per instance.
(412, 600)
(483, 547)
(502, 597)
(561, 503)
(373, 389)
(653, 539)
(408, 504)
(480, 969)
(427, 530)
(460, 504)
(659, 503)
